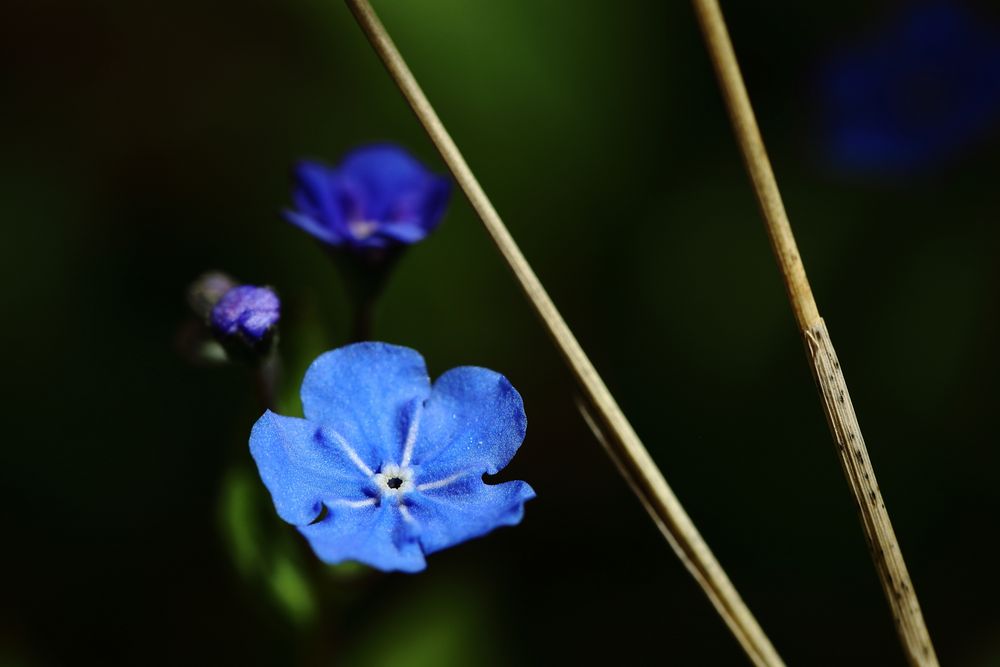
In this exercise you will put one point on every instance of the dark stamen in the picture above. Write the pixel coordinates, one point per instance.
(394, 482)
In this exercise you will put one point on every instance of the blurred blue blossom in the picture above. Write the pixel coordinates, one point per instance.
(378, 197)
(246, 311)
(385, 468)
(922, 90)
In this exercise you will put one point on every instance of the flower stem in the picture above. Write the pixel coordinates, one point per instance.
(266, 376)
(365, 276)
(628, 451)
(826, 369)
(364, 320)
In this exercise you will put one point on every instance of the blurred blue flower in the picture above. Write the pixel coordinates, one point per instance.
(378, 197)
(385, 468)
(246, 311)
(921, 91)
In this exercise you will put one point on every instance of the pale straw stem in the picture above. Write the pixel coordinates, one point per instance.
(629, 453)
(836, 400)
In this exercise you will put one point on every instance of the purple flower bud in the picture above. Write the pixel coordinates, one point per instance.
(246, 311)
(379, 197)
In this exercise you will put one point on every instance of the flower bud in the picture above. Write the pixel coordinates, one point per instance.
(246, 312)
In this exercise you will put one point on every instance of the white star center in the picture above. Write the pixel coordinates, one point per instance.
(393, 481)
(362, 229)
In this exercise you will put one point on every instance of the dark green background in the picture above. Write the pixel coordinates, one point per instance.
(144, 142)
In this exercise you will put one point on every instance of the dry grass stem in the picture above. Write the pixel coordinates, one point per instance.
(826, 369)
(627, 450)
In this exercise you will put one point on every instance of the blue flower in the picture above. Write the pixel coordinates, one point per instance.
(378, 197)
(246, 311)
(385, 468)
(923, 90)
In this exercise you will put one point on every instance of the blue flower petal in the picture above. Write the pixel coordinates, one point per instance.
(303, 466)
(374, 534)
(312, 227)
(402, 232)
(317, 193)
(474, 420)
(423, 205)
(464, 509)
(385, 175)
(368, 393)
(433, 201)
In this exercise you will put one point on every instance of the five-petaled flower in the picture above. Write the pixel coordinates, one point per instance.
(386, 468)
(246, 311)
(378, 197)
